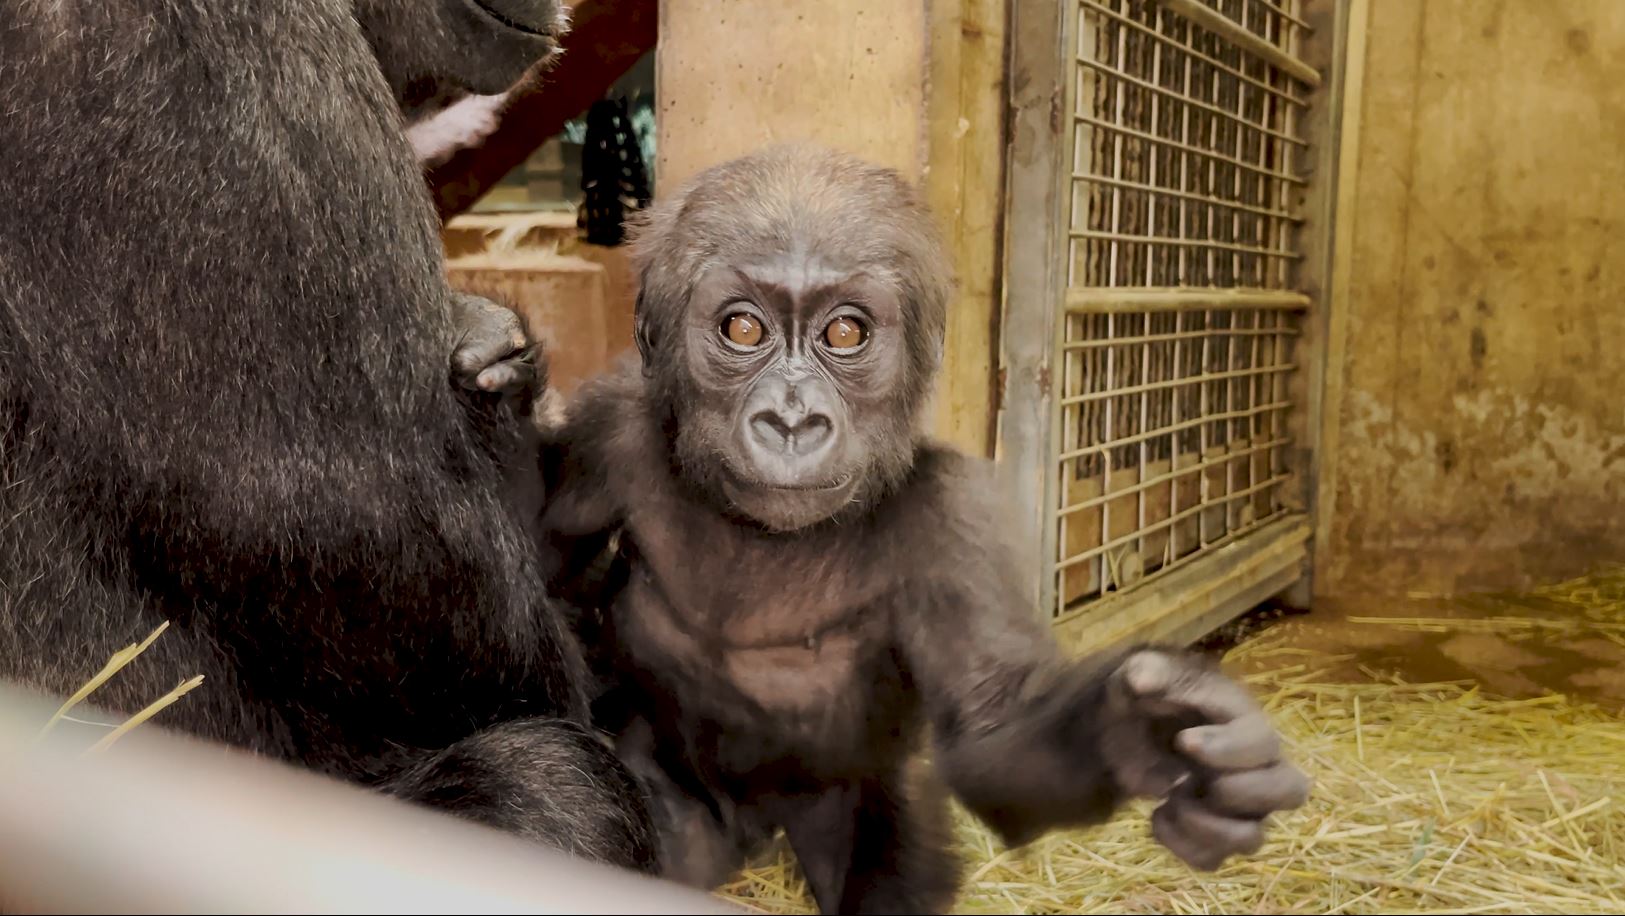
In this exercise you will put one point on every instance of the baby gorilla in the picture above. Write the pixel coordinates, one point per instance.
(807, 584)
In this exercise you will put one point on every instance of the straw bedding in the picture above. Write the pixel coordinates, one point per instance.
(1429, 798)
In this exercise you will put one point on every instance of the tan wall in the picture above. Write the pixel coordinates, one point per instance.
(1477, 422)
(912, 84)
(734, 75)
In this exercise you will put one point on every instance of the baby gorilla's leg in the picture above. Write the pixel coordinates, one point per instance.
(702, 841)
(869, 847)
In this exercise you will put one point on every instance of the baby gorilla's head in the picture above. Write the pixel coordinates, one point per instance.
(791, 319)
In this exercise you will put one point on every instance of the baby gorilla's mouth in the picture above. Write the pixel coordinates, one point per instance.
(753, 479)
(543, 20)
(822, 487)
(786, 506)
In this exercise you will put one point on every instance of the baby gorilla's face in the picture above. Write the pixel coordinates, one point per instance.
(797, 360)
(790, 318)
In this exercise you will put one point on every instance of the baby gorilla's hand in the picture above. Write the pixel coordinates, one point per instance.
(491, 352)
(1183, 731)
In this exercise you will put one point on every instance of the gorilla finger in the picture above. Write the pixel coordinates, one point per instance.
(1147, 674)
(487, 317)
(1194, 686)
(480, 349)
(1239, 744)
(1193, 851)
(498, 377)
(1201, 838)
(1256, 793)
(508, 377)
(511, 329)
(472, 358)
(504, 323)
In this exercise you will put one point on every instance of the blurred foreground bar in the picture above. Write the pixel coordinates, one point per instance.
(163, 824)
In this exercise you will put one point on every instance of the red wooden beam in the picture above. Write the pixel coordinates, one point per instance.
(606, 38)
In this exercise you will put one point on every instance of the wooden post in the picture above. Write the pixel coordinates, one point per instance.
(965, 107)
(1341, 27)
(912, 84)
(1040, 158)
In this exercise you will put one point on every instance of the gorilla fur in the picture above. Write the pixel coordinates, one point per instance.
(808, 585)
(224, 402)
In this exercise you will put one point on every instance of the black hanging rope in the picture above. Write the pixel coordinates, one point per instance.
(614, 183)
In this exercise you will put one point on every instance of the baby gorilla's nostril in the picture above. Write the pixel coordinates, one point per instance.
(772, 432)
(770, 429)
(810, 433)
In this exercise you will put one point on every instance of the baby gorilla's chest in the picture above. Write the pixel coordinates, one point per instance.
(825, 701)
(732, 652)
(784, 627)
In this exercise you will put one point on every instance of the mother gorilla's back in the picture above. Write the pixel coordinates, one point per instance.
(224, 402)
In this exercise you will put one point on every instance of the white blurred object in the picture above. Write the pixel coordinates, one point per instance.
(463, 124)
(165, 824)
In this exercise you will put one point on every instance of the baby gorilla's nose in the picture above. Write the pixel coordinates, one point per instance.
(793, 432)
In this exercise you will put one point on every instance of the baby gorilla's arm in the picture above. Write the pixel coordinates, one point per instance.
(1031, 741)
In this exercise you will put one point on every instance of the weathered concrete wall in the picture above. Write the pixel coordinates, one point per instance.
(1480, 438)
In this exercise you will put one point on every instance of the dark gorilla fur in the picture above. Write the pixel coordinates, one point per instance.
(807, 584)
(224, 403)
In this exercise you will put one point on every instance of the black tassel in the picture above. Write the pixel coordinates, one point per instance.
(614, 182)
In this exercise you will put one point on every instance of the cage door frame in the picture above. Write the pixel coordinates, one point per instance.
(1039, 157)
(1269, 559)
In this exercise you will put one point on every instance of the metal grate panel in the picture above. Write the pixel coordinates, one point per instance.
(1184, 149)
(1172, 438)
(1177, 332)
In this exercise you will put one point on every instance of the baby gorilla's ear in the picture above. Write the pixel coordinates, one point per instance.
(643, 332)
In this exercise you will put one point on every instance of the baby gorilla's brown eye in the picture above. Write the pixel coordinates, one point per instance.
(846, 334)
(742, 329)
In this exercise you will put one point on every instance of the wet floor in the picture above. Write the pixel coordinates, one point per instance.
(1567, 638)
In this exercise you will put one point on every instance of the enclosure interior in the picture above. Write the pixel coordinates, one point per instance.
(1262, 303)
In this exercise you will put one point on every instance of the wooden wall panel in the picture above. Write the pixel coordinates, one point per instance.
(1479, 433)
(913, 84)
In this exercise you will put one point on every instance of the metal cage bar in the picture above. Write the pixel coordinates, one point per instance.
(1176, 331)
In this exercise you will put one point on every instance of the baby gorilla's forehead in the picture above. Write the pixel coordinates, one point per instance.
(846, 230)
(799, 270)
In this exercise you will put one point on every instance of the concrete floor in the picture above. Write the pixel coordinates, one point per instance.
(1515, 646)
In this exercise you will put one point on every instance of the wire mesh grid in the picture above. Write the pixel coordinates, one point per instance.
(1184, 149)
(1173, 439)
(1172, 423)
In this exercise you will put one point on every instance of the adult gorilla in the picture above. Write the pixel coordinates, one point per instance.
(224, 403)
